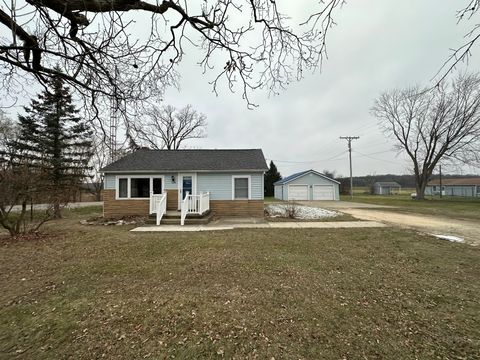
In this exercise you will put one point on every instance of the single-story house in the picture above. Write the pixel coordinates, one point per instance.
(468, 187)
(386, 188)
(225, 182)
(307, 185)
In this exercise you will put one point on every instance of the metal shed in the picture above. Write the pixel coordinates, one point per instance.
(307, 185)
(386, 188)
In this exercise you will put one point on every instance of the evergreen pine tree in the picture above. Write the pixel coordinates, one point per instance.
(270, 177)
(53, 139)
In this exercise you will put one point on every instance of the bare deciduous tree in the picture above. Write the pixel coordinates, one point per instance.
(168, 128)
(440, 124)
(462, 53)
(130, 49)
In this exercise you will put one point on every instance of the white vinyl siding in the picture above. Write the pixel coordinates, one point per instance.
(307, 183)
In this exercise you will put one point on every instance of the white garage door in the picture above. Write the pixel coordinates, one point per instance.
(298, 192)
(323, 192)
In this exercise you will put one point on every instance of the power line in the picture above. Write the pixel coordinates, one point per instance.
(370, 157)
(309, 162)
(349, 141)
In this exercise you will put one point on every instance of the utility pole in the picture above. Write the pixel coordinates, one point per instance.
(349, 140)
(440, 181)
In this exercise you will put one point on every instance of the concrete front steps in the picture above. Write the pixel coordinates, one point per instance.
(173, 218)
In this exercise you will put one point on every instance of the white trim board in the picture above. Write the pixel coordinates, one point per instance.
(249, 186)
(129, 177)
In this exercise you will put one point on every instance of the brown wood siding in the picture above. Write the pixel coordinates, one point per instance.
(172, 199)
(237, 208)
(118, 208)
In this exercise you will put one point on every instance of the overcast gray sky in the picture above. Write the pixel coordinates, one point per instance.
(377, 45)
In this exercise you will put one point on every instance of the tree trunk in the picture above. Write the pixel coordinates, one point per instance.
(420, 188)
(57, 213)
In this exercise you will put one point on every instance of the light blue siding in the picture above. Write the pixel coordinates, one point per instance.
(278, 192)
(257, 186)
(169, 184)
(220, 185)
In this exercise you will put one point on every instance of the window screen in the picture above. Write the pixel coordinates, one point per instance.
(241, 188)
(139, 187)
(122, 188)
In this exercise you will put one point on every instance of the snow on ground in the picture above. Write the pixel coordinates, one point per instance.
(299, 211)
(449, 238)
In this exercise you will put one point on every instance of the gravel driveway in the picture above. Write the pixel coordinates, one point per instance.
(468, 230)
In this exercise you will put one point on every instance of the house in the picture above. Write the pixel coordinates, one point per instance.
(468, 187)
(225, 182)
(307, 185)
(386, 188)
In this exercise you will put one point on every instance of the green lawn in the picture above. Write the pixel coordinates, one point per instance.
(455, 207)
(88, 292)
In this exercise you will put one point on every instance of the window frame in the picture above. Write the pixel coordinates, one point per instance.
(129, 185)
(249, 178)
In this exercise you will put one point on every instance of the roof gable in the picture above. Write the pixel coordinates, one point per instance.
(292, 177)
(189, 160)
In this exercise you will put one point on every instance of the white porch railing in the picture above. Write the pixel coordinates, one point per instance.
(194, 204)
(158, 205)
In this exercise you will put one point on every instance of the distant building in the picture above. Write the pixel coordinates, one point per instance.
(467, 187)
(386, 188)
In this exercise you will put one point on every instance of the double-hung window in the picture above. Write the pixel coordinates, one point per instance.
(241, 187)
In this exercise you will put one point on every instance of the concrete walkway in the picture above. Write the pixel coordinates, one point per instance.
(267, 225)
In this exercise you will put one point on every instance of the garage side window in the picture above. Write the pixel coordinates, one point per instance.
(240, 188)
(123, 188)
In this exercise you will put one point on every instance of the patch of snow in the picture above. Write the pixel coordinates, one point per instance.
(449, 238)
(300, 211)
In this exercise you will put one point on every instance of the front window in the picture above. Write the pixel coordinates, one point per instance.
(240, 188)
(140, 187)
(123, 188)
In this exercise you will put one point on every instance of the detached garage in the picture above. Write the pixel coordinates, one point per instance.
(307, 185)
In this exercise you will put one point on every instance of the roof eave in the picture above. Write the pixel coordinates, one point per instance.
(178, 170)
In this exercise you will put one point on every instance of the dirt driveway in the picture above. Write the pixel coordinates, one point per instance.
(468, 230)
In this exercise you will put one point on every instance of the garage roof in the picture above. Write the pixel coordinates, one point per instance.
(292, 177)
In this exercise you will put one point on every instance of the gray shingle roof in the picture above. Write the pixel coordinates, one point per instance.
(387, 183)
(190, 160)
(300, 174)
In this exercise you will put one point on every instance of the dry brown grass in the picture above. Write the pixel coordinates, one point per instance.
(95, 291)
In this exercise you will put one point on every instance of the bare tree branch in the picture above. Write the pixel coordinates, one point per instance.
(103, 50)
(433, 126)
(169, 128)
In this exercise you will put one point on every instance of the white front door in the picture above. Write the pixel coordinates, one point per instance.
(186, 183)
(323, 192)
(297, 192)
